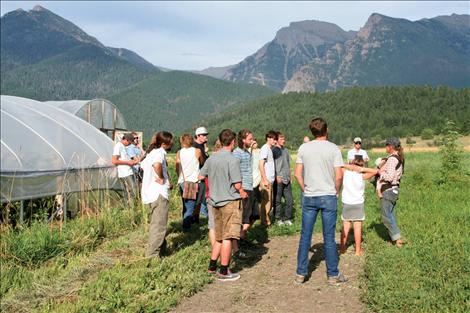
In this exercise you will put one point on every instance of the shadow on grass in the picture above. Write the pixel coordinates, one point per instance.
(380, 229)
(185, 239)
(257, 237)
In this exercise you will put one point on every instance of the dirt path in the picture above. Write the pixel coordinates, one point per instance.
(268, 285)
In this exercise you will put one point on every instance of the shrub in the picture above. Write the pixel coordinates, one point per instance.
(451, 154)
(427, 134)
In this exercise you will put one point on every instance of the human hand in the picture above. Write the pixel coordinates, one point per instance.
(243, 194)
(278, 179)
(160, 181)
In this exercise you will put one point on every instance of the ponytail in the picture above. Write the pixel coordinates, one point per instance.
(158, 139)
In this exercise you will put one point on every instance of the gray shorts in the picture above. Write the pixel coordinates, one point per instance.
(353, 212)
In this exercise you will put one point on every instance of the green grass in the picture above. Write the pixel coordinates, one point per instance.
(98, 264)
(432, 272)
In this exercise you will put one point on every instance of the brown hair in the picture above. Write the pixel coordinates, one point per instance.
(358, 162)
(318, 127)
(271, 134)
(186, 141)
(242, 134)
(226, 137)
(162, 137)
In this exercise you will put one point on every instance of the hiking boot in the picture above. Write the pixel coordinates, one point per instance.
(229, 277)
(334, 280)
(288, 223)
(299, 279)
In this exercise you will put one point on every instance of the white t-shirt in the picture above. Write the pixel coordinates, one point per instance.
(121, 151)
(353, 152)
(319, 159)
(267, 154)
(353, 188)
(151, 190)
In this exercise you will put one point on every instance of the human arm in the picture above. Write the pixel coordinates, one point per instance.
(116, 161)
(239, 188)
(387, 172)
(178, 164)
(264, 179)
(158, 168)
(299, 167)
(199, 156)
(338, 179)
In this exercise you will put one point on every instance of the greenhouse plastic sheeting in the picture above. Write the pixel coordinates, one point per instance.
(101, 113)
(47, 151)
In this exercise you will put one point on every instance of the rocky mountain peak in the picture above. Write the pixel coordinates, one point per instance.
(311, 32)
(39, 8)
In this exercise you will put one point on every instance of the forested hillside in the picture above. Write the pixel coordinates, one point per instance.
(176, 101)
(372, 113)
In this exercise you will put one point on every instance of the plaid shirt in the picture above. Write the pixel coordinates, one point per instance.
(390, 173)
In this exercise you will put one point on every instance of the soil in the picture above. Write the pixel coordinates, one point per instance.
(267, 283)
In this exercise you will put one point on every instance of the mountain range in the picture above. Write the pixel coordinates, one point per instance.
(320, 56)
(46, 57)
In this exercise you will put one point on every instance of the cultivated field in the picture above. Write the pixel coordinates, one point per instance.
(97, 264)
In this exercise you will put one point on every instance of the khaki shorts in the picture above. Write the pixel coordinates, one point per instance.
(228, 221)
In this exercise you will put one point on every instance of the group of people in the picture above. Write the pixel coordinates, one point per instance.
(239, 184)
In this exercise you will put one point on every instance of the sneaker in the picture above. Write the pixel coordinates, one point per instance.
(333, 280)
(209, 271)
(299, 279)
(280, 223)
(288, 223)
(229, 277)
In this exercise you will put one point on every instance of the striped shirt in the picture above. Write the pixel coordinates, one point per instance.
(246, 167)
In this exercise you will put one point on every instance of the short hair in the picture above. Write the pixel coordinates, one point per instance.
(242, 134)
(226, 137)
(271, 134)
(280, 134)
(318, 127)
(186, 140)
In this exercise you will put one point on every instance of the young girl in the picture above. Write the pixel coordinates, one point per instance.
(353, 202)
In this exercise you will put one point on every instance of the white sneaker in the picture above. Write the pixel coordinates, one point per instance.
(280, 223)
(288, 223)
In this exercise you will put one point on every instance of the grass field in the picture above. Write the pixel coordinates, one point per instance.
(97, 264)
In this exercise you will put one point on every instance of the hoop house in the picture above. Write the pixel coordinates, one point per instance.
(101, 113)
(47, 151)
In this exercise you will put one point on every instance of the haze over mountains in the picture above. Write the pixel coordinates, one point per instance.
(320, 56)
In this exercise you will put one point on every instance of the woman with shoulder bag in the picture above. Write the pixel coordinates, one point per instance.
(187, 169)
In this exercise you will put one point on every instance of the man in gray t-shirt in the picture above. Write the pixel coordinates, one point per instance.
(318, 171)
(225, 191)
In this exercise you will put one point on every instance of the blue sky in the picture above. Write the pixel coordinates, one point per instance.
(195, 35)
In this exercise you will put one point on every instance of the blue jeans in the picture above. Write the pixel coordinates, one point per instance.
(388, 202)
(188, 209)
(310, 208)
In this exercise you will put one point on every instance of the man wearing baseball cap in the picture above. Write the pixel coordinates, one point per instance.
(357, 151)
(200, 141)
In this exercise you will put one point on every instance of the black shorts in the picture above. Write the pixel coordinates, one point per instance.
(247, 204)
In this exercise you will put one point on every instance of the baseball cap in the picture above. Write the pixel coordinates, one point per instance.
(393, 142)
(201, 131)
(357, 139)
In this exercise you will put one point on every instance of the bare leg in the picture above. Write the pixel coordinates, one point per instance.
(212, 237)
(225, 252)
(358, 236)
(216, 250)
(344, 236)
